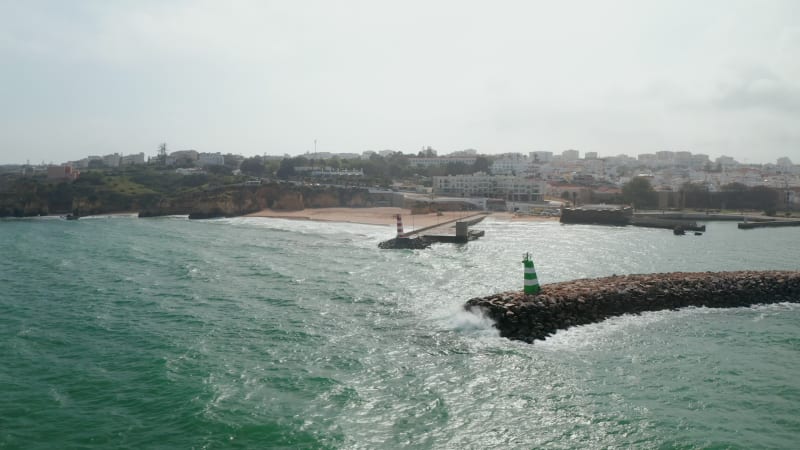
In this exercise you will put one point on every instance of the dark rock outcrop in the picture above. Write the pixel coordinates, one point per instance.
(562, 305)
(405, 243)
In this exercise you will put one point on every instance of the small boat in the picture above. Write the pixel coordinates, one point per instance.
(678, 231)
(71, 217)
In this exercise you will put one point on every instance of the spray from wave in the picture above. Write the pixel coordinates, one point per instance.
(472, 323)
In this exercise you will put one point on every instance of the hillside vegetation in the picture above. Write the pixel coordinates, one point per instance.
(103, 191)
(151, 191)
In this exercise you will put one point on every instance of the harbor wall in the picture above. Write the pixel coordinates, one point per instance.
(610, 216)
(773, 224)
(562, 305)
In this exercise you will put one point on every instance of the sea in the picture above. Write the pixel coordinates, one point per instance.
(118, 332)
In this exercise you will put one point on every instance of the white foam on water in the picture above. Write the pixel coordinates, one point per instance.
(111, 216)
(776, 307)
(604, 333)
(345, 229)
(611, 330)
(470, 323)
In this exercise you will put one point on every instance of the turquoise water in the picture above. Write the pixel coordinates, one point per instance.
(262, 333)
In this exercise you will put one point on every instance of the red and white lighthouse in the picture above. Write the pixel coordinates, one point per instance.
(399, 225)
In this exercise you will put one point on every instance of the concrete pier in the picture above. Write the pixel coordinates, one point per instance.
(562, 305)
(434, 229)
(453, 231)
(462, 232)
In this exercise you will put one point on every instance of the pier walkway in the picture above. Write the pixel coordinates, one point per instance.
(472, 218)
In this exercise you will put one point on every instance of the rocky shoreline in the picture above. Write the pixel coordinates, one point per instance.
(562, 305)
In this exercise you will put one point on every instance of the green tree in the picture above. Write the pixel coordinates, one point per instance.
(286, 168)
(639, 193)
(734, 187)
(218, 170)
(398, 165)
(271, 166)
(482, 164)
(253, 166)
(96, 164)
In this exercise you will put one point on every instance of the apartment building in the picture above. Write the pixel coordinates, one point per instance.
(508, 187)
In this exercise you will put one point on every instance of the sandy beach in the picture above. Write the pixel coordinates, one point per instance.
(384, 216)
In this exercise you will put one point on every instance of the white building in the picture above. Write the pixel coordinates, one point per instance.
(648, 159)
(571, 155)
(112, 160)
(541, 157)
(183, 157)
(84, 163)
(683, 159)
(137, 158)
(595, 167)
(512, 164)
(348, 155)
(462, 153)
(699, 161)
(188, 170)
(211, 159)
(727, 162)
(436, 162)
(665, 158)
(492, 186)
(621, 160)
(330, 172)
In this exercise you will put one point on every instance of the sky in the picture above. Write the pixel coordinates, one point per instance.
(81, 78)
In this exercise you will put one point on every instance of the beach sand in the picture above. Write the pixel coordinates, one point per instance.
(384, 216)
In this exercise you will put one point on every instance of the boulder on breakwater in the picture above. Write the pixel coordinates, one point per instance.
(562, 305)
(418, 243)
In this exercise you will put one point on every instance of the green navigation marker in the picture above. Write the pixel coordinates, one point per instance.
(531, 282)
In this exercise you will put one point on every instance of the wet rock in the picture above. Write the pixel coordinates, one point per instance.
(405, 243)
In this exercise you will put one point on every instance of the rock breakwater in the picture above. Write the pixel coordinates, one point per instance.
(416, 243)
(562, 305)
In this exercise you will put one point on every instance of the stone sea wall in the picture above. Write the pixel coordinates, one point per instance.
(562, 305)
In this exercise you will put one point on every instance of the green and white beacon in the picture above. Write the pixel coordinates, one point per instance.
(531, 282)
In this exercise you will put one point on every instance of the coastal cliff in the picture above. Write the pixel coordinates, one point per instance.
(562, 305)
(239, 200)
(153, 192)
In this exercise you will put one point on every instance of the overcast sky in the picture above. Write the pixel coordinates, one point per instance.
(86, 78)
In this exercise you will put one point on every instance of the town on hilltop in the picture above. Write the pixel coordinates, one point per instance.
(514, 181)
